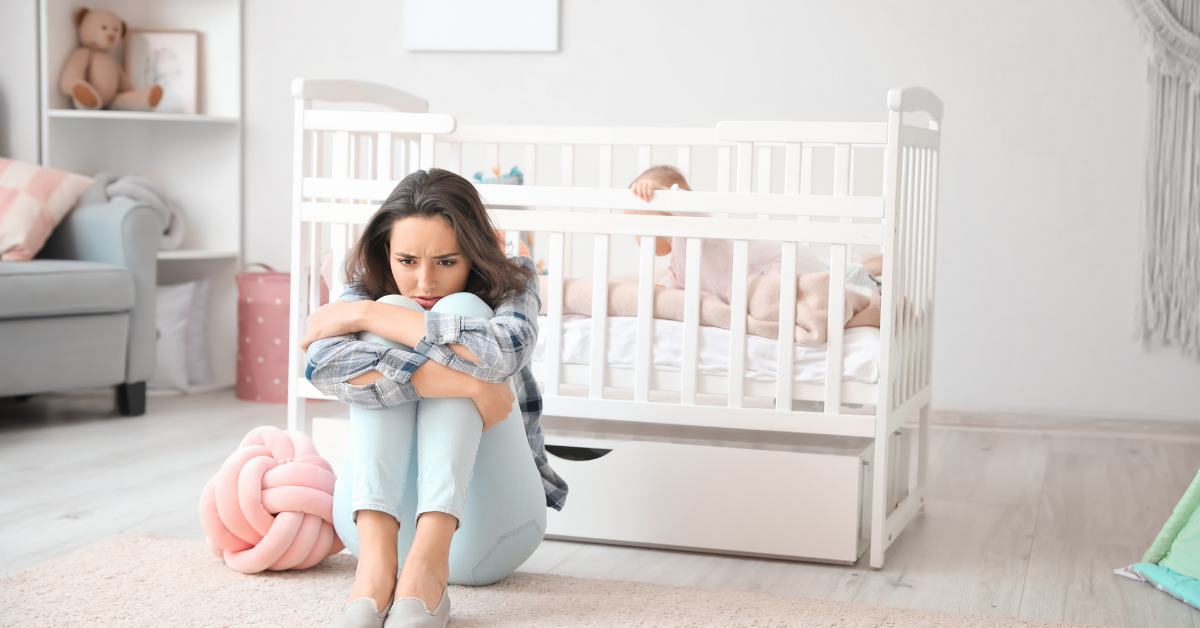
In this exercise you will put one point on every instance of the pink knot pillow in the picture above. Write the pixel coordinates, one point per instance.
(271, 504)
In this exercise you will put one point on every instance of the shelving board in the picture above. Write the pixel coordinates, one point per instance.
(105, 114)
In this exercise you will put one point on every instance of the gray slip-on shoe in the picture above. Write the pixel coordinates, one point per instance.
(411, 612)
(361, 613)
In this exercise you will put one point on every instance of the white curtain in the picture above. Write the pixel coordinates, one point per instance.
(1168, 308)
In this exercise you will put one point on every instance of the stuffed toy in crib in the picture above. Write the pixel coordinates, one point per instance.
(91, 77)
(513, 177)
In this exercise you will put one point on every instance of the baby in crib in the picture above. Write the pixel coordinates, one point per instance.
(716, 270)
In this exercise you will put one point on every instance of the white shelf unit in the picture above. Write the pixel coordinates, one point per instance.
(196, 159)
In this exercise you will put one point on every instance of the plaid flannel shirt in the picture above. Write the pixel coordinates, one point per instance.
(504, 343)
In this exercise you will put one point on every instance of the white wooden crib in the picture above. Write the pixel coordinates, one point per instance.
(812, 470)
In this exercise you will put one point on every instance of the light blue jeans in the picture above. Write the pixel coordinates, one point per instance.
(502, 517)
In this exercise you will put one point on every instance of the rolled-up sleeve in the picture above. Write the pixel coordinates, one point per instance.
(332, 362)
(504, 343)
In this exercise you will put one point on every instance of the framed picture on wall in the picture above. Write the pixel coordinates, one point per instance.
(169, 59)
(480, 25)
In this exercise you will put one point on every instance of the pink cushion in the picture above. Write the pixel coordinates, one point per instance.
(33, 200)
(271, 504)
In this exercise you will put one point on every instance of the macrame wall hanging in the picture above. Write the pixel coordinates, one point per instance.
(1168, 308)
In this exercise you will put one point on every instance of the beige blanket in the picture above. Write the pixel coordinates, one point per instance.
(762, 317)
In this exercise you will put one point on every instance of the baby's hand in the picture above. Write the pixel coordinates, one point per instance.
(645, 188)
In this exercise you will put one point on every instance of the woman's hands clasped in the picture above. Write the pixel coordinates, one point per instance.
(494, 402)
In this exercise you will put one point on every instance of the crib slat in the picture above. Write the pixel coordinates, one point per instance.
(645, 314)
(841, 169)
(787, 329)
(383, 161)
(791, 169)
(599, 317)
(338, 235)
(920, 311)
(903, 340)
(764, 175)
(568, 180)
(341, 155)
(806, 175)
(554, 311)
(606, 166)
(426, 151)
(837, 327)
(930, 262)
(764, 170)
(530, 164)
(723, 164)
(414, 157)
(906, 252)
(737, 323)
(645, 154)
(493, 156)
(691, 322)
(806, 169)
(315, 155)
(685, 161)
(745, 165)
(315, 256)
(841, 175)
(353, 152)
(912, 270)
(369, 149)
(455, 164)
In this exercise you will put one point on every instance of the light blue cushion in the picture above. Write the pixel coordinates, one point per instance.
(57, 287)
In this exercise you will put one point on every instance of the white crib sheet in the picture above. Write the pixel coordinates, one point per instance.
(860, 359)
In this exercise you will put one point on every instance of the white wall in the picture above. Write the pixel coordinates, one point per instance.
(19, 80)
(1038, 233)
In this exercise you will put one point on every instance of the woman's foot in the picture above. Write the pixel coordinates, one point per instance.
(376, 581)
(423, 580)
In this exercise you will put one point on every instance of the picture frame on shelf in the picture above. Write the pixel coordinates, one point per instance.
(170, 59)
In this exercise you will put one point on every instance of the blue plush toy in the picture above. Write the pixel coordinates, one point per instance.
(514, 177)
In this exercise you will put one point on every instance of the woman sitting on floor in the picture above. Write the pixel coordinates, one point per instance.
(423, 344)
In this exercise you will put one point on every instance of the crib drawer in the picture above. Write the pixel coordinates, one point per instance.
(723, 499)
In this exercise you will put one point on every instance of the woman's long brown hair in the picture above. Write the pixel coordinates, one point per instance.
(437, 193)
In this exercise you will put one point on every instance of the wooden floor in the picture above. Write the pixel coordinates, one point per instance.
(1025, 518)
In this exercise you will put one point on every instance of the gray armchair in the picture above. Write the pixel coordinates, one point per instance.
(82, 313)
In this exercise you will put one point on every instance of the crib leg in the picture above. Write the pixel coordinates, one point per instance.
(879, 492)
(923, 451)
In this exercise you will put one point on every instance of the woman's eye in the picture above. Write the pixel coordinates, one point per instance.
(446, 262)
(408, 262)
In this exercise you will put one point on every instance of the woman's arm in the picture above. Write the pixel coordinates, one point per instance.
(500, 346)
(382, 377)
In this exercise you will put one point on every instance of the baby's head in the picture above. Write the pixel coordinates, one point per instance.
(665, 176)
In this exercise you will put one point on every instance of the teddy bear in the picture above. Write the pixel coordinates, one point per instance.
(91, 77)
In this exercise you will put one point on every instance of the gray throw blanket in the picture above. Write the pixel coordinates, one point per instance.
(108, 187)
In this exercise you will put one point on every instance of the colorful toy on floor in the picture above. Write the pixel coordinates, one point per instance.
(271, 504)
(513, 177)
(1172, 564)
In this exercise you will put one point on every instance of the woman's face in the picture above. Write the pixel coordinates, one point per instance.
(426, 261)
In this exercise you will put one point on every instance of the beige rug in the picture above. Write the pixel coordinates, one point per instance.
(143, 580)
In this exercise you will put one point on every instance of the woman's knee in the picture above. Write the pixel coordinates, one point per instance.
(463, 304)
(402, 301)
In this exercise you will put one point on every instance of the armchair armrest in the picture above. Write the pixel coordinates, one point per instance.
(124, 234)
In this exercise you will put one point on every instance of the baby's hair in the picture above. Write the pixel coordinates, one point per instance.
(664, 174)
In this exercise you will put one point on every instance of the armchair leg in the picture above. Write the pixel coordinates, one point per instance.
(131, 399)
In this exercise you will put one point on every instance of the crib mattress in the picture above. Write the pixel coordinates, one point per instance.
(860, 360)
